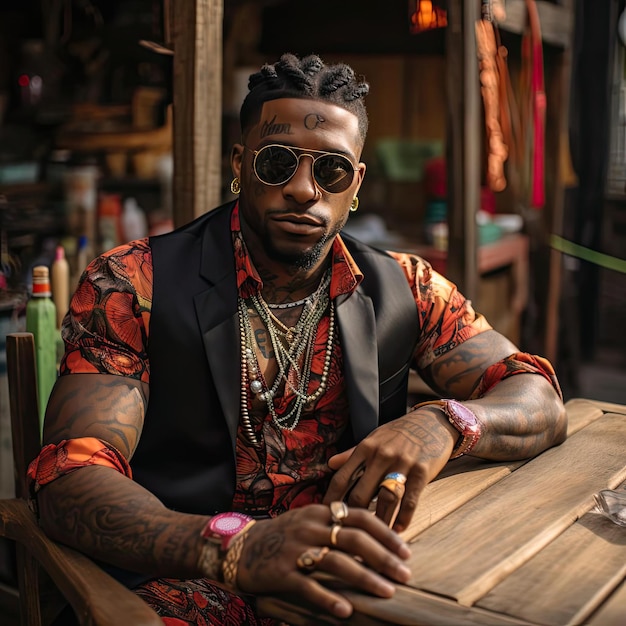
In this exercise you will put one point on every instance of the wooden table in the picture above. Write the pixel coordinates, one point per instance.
(514, 543)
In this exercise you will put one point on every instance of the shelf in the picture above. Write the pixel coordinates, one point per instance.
(508, 250)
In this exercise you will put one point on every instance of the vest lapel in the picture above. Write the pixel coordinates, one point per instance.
(216, 309)
(355, 316)
(220, 336)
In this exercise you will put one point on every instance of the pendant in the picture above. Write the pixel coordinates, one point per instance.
(256, 386)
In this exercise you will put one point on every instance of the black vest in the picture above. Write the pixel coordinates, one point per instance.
(186, 451)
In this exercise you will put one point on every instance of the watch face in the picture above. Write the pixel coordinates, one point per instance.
(463, 418)
(228, 524)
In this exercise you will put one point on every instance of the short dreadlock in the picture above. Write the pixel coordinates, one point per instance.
(291, 77)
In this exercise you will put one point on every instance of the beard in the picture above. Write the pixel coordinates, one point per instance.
(301, 260)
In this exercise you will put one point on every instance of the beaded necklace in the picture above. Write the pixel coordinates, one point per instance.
(289, 305)
(292, 346)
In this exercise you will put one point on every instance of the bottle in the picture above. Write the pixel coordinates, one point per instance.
(134, 221)
(60, 284)
(41, 321)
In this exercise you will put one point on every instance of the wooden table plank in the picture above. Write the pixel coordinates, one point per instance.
(410, 607)
(581, 412)
(607, 407)
(459, 482)
(568, 579)
(476, 547)
(612, 611)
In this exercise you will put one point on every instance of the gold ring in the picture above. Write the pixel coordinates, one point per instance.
(334, 533)
(309, 560)
(396, 487)
(338, 511)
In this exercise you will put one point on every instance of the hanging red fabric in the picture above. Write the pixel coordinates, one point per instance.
(538, 104)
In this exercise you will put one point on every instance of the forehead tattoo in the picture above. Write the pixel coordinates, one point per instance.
(313, 120)
(272, 127)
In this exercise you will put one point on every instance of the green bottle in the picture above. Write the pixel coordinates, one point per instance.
(41, 321)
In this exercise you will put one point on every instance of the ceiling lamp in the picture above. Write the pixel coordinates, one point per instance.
(426, 15)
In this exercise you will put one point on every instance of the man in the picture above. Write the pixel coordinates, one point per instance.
(255, 362)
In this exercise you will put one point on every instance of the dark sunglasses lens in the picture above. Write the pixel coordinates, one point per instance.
(333, 173)
(274, 165)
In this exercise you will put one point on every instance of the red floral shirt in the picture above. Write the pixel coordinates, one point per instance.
(107, 328)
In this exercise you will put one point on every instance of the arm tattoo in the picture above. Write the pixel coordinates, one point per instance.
(114, 411)
(112, 518)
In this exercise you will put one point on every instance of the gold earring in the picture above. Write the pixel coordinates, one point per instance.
(235, 186)
(355, 204)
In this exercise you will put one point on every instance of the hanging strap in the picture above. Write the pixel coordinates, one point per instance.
(492, 94)
(538, 104)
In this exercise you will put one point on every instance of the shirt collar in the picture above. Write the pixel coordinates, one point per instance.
(345, 274)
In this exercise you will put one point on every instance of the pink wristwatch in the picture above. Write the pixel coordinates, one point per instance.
(221, 528)
(464, 420)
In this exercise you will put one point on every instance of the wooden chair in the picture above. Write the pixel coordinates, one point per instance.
(50, 574)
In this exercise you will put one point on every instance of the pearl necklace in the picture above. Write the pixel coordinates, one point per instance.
(291, 346)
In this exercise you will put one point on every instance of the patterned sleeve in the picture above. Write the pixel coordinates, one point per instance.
(106, 328)
(446, 317)
(518, 363)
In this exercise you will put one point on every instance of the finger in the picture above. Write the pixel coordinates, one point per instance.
(388, 502)
(344, 481)
(380, 558)
(415, 484)
(330, 601)
(356, 575)
(376, 528)
(407, 509)
(337, 461)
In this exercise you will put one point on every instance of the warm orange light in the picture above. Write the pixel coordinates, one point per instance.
(427, 16)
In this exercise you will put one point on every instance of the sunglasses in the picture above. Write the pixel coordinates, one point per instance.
(276, 164)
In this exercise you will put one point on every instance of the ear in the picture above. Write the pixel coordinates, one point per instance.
(236, 156)
(360, 174)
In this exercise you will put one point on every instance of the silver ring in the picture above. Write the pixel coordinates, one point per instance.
(338, 511)
(334, 533)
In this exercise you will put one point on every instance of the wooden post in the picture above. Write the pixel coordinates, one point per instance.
(197, 36)
(463, 145)
(555, 172)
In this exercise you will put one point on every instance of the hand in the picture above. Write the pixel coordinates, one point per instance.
(273, 548)
(417, 445)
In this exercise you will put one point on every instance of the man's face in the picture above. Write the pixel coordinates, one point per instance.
(295, 222)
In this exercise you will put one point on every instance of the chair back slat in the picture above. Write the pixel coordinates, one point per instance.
(25, 429)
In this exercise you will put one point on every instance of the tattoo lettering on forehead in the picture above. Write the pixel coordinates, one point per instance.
(313, 120)
(274, 128)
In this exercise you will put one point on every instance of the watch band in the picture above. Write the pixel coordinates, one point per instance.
(463, 419)
(226, 532)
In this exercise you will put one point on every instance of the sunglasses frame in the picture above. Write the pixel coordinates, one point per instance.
(299, 153)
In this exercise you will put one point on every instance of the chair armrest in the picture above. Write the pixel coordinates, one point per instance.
(96, 597)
